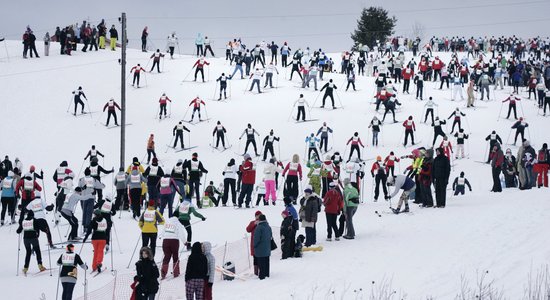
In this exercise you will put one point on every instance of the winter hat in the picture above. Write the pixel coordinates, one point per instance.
(87, 172)
(64, 164)
(32, 168)
(308, 191)
(78, 189)
(257, 213)
(461, 174)
(155, 161)
(151, 203)
(135, 160)
(379, 157)
(246, 156)
(285, 213)
(195, 154)
(180, 161)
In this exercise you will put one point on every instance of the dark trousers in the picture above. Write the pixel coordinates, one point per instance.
(314, 150)
(291, 186)
(179, 136)
(68, 288)
(268, 147)
(518, 133)
(440, 192)
(109, 114)
(220, 137)
(427, 196)
(135, 198)
(353, 149)
(510, 108)
(32, 245)
(194, 186)
(331, 225)
(200, 50)
(166, 200)
(149, 240)
(301, 112)
(311, 236)
(263, 266)
(419, 90)
(438, 132)
(287, 245)
(331, 98)
(149, 153)
(8, 204)
(409, 132)
(197, 70)
(253, 142)
(380, 179)
(42, 225)
(246, 190)
(406, 84)
(187, 226)
(208, 48)
(136, 78)
(456, 122)
(429, 111)
(73, 221)
(229, 186)
(324, 142)
(77, 101)
(155, 63)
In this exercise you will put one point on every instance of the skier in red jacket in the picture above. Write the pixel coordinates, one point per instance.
(196, 107)
(136, 70)
(111, 106)
(200, 63)
(410, 127)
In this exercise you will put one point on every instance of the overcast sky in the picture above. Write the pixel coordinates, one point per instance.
(320, 23)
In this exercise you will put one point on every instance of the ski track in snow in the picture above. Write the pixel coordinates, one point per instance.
(423, 254)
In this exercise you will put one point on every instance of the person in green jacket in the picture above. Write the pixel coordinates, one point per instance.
(314, 175)
(184, 210)
(351, 201)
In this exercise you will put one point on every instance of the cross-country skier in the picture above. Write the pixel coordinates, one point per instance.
(238, 59)
(223, 86)
(167, 188)
(419, 82)
(8, 186)
(100, 229)
(184, 211)
(172, 41)
(458, 85)
(68, 209)
(410, 128)
(407, 74)
(438, 131)
(285, 51)
(520, 126)
(111, 105)
(457, 119)
(199, 43)
(324, 131)
(177, 132)
(296, 65)
(92, 153)
(493, 138)
(248, 173)
(195, 170)
(250, 132)
(156, 60)
(199, 64)
(29, 227)
(379, 173)
(68, 262)
(429, 109)
(89, 186)
(137, 71)
(329, 88)
(153, 173)
(179, 175)
(293, 173)
(163, 100)
(512, 99)
(256, 77)
(229, 181)
(273, 47)
(208, 47)
(446, 146)
(311, 142)
(25, 190)
(353, 170)
(219, 131)
(268, 144)
(301, 104)
(78, 95)
(95, 171)
(389, 162)
(460, 183)
(135, 182)
(38, 207)
(148, 223)
(196, 107)
(389, 106)
(269, 75)
(151, 148)
(381, 97)
(401, 182)
(173, 233)
(355, 141)
(460, 137)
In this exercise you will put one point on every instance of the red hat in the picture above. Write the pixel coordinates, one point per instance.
(284, 213)
(152, 202)
(32, 168)
(257, 213)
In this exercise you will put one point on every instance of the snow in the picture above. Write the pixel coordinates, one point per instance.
(422, 254)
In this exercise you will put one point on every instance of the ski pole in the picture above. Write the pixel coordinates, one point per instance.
(290, 115)
(50, 260)
(145, 77)
(215, 90)
(89, 110)
(58, 280)
(54, 215)
(79, 171)
(85, 285)
(500, 111)
(18, 252)
(70, 104)
(134, 252)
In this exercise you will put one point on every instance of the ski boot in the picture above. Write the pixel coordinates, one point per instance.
(395, 210)
(25, 270)
(99, 268)
(41, 268)
(406, 210)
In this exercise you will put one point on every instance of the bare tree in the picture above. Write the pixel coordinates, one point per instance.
(418, 31)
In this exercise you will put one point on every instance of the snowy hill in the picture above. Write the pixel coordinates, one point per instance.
(422, 254)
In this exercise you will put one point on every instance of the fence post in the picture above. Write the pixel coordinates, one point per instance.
(223, 260)
(114, 284)
(247, 249)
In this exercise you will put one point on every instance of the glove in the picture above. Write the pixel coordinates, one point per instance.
(204, 219)
(19, 230)
(85, 266)
(240, 138)
(49, 207)
(41, 173)
(106, 248)
(113, 212)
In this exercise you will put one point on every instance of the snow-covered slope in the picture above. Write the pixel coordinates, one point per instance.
(424, 254)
